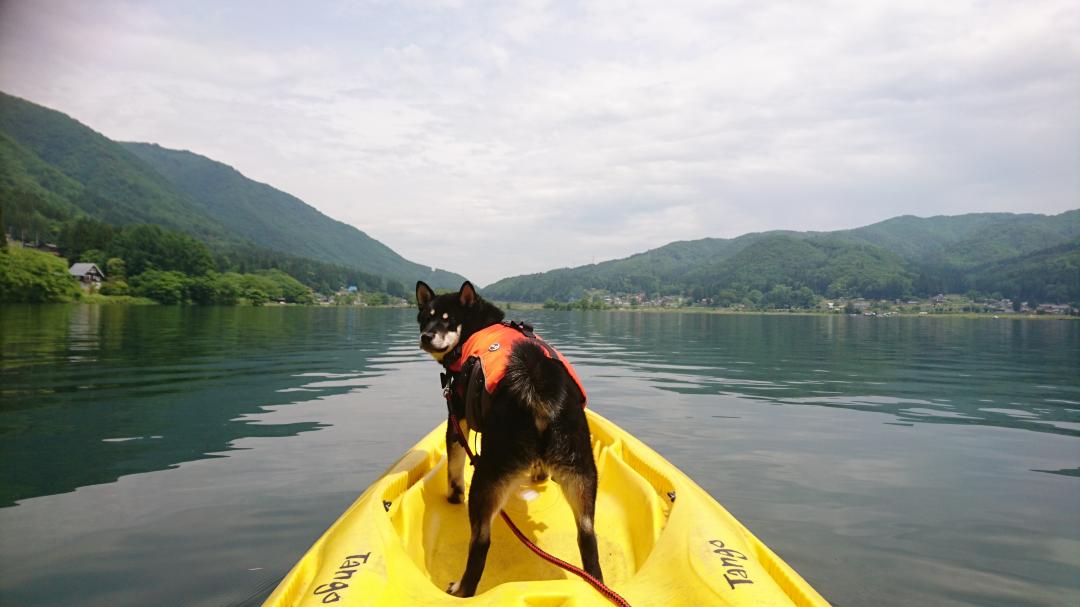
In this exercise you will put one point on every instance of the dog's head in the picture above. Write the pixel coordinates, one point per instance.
(449, 319)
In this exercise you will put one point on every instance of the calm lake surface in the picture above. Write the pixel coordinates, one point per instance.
(189, 456)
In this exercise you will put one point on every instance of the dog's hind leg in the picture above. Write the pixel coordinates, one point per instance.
(487, 495)
(455, 464)
(579, 487)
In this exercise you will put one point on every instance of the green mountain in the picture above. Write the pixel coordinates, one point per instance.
(100, 177)
(276, 220)
(968, 240)
(56, 172)
(659, 270)
(824, 265)
(1048, 275)
(54, 168)
(1025, 255)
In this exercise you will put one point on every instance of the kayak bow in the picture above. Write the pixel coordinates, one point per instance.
(663, 541)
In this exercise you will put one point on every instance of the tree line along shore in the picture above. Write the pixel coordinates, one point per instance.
(151, 265)
(140, 264)
(92, 261)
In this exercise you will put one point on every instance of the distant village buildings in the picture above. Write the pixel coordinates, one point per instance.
(44, 247)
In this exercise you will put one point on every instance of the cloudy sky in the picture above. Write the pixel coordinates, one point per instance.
(501, 138)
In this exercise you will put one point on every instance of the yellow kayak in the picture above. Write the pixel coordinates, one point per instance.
(662, 539)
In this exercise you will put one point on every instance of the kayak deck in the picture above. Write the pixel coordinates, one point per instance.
(435, 533)
(662, 541)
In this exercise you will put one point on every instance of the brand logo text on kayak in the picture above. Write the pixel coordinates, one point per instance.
(730, 559)
(331, 591)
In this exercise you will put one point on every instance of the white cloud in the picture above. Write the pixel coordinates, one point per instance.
(591, 131)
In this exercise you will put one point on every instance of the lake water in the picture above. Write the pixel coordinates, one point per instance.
(189, 456)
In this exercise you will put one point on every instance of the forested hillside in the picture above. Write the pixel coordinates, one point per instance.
(1016, 256)
(54, 170)
(61, 182)
(84, 171)
(276, 220)
(965, 241)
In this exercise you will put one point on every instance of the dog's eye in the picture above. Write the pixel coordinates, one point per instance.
(433, 311)
(445, 316)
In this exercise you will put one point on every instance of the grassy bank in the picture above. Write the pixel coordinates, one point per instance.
(98, 298)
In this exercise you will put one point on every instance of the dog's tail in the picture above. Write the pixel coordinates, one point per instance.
(539, 382)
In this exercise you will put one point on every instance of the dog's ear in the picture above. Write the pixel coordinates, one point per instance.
(424, 294)
(467, 294)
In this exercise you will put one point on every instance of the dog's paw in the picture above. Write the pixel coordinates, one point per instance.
(456, 495)
(454, 589)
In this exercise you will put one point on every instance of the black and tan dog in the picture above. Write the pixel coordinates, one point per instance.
(528, 404)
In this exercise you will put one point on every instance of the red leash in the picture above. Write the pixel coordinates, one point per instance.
(610, 594)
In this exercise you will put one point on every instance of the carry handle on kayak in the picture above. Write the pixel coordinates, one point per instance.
(608, 593)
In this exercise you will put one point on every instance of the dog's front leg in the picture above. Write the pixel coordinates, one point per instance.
(455, 463)
(487, 495)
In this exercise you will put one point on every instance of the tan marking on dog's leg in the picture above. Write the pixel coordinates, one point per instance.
(455, 465)
(580, 492)
(485, 502)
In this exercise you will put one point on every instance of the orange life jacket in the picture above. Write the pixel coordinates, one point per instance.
(492, 345)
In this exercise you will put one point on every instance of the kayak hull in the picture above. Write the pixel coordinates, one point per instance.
(662, 541)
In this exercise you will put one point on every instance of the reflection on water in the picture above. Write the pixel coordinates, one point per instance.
(1014, 374)
(892, 461)
(109, 391)
(165, 455)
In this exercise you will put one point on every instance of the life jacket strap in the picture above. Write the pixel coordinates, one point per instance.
(451, 357)
(525, 328)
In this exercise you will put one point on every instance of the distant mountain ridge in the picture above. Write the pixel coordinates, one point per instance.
(970, 239)
(278, 220)
(88, 172)
(53, 169)
(897, 257)
(68, 167)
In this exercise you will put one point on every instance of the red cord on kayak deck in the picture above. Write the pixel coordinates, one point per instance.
(608, 593)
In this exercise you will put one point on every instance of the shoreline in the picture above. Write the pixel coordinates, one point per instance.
(727, 312)
(509, 307)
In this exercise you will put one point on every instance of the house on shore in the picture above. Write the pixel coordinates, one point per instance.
(89, 274)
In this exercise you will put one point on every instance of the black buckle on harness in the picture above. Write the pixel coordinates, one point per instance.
(447, 381)
(525, 328)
